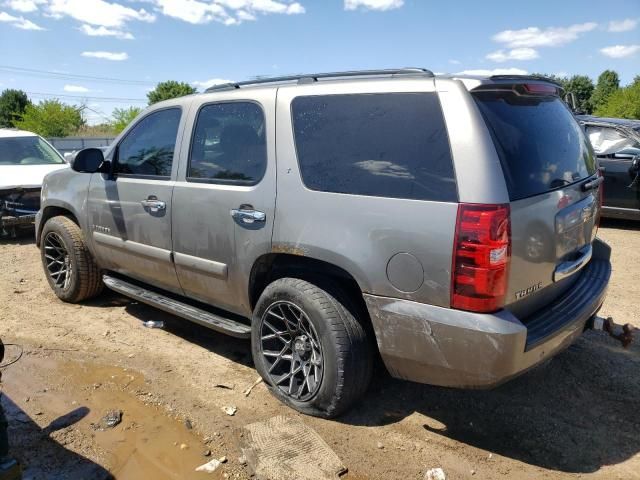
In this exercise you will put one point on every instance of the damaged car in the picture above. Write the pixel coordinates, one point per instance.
(616, 142)
(25, 159)
(445, 223)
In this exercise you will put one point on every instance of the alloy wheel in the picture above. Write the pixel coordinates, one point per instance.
(58, 260)
(292, 351)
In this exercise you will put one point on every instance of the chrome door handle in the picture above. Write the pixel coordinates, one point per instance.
(567, 268)
(154, 205)
(248, 216)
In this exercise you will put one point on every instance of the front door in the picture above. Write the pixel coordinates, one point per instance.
(224, 200)
(615, 150)
(130, 210)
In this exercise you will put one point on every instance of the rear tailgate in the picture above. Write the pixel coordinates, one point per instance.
(549, 167)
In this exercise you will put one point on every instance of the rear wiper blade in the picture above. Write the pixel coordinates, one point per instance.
(592, 184)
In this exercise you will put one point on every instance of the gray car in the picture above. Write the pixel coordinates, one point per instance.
(447, 223)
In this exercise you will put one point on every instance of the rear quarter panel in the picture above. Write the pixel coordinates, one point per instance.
(355, 232)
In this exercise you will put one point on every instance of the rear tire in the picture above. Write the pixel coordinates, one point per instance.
(301, 328)
(71, 271)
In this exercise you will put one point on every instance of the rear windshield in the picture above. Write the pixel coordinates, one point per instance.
(27, 151)
(540, 144)
(387, 145)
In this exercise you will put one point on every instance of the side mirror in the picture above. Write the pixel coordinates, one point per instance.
(88, 160)
(627, 153)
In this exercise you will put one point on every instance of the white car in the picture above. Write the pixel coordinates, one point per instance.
(25, 159)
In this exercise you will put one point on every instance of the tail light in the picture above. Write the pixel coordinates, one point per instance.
(481, 256)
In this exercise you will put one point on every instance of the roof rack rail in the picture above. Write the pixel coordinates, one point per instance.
(314, 77)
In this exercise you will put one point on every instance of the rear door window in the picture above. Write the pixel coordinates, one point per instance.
(387, 145)
(229, 144)
(539, 142)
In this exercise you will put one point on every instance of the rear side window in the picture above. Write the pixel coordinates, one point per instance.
(229, 144)
(387, 145)
(148, 148)
(539, 142)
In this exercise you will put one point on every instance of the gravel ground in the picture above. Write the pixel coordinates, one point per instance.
(575, 416)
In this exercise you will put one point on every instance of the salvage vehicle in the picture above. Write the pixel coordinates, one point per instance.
(25, 158)
(447, 223)
(616, 142)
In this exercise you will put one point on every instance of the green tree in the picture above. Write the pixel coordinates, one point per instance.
(51, 118)
(123, 117)
(608, 83)
(623, 103)
(12, 106)
(582, 87)
(169, 89)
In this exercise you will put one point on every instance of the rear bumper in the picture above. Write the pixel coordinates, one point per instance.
(453, 348)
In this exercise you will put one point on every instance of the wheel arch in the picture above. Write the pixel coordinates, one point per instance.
(273, 266)
(51, 211)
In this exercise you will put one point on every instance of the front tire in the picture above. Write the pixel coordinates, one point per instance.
(311, 351)
(71, 271)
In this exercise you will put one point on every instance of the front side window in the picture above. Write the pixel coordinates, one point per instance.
(229, 144)
(387, 145)
(31, 150)
(148, 148)
(607, 141)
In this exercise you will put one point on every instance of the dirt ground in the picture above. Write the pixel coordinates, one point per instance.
(577, 416)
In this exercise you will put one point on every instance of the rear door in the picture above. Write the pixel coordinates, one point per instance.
(130, 210)
(224, 201)
(548, 165)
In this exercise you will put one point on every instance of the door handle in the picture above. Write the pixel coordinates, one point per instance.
(153, 204)
(567, 268)
(248, 215)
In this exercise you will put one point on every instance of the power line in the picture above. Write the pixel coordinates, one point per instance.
(70, 76)
(88, 97)
(100, 114)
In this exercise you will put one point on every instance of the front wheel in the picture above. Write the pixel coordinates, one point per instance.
(71, 271)
(309, 348)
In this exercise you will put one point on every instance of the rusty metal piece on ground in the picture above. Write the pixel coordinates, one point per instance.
(626, 337)
(282, 448)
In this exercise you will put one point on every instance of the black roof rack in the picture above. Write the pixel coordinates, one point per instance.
(313, 77)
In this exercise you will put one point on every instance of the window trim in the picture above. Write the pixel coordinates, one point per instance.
(225, 181)
(444, 123)
(116, 150)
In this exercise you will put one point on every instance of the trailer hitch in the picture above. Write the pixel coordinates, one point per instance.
(625, 337)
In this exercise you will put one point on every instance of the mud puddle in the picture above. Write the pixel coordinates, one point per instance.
(63, 402)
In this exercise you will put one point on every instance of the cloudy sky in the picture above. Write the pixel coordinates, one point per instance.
(109, 53)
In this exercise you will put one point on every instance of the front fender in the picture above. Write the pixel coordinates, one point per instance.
(64, 192)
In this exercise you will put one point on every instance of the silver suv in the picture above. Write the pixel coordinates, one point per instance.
(446, 223)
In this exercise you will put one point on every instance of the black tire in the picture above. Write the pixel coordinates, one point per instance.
(84, 280)
(345, 350)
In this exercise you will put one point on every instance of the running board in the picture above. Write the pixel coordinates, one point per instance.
(180, 309)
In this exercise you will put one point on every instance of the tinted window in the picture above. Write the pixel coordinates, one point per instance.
(540, 144)
(27, 151)
(229, 144)
(387, 145)
(148, 148)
